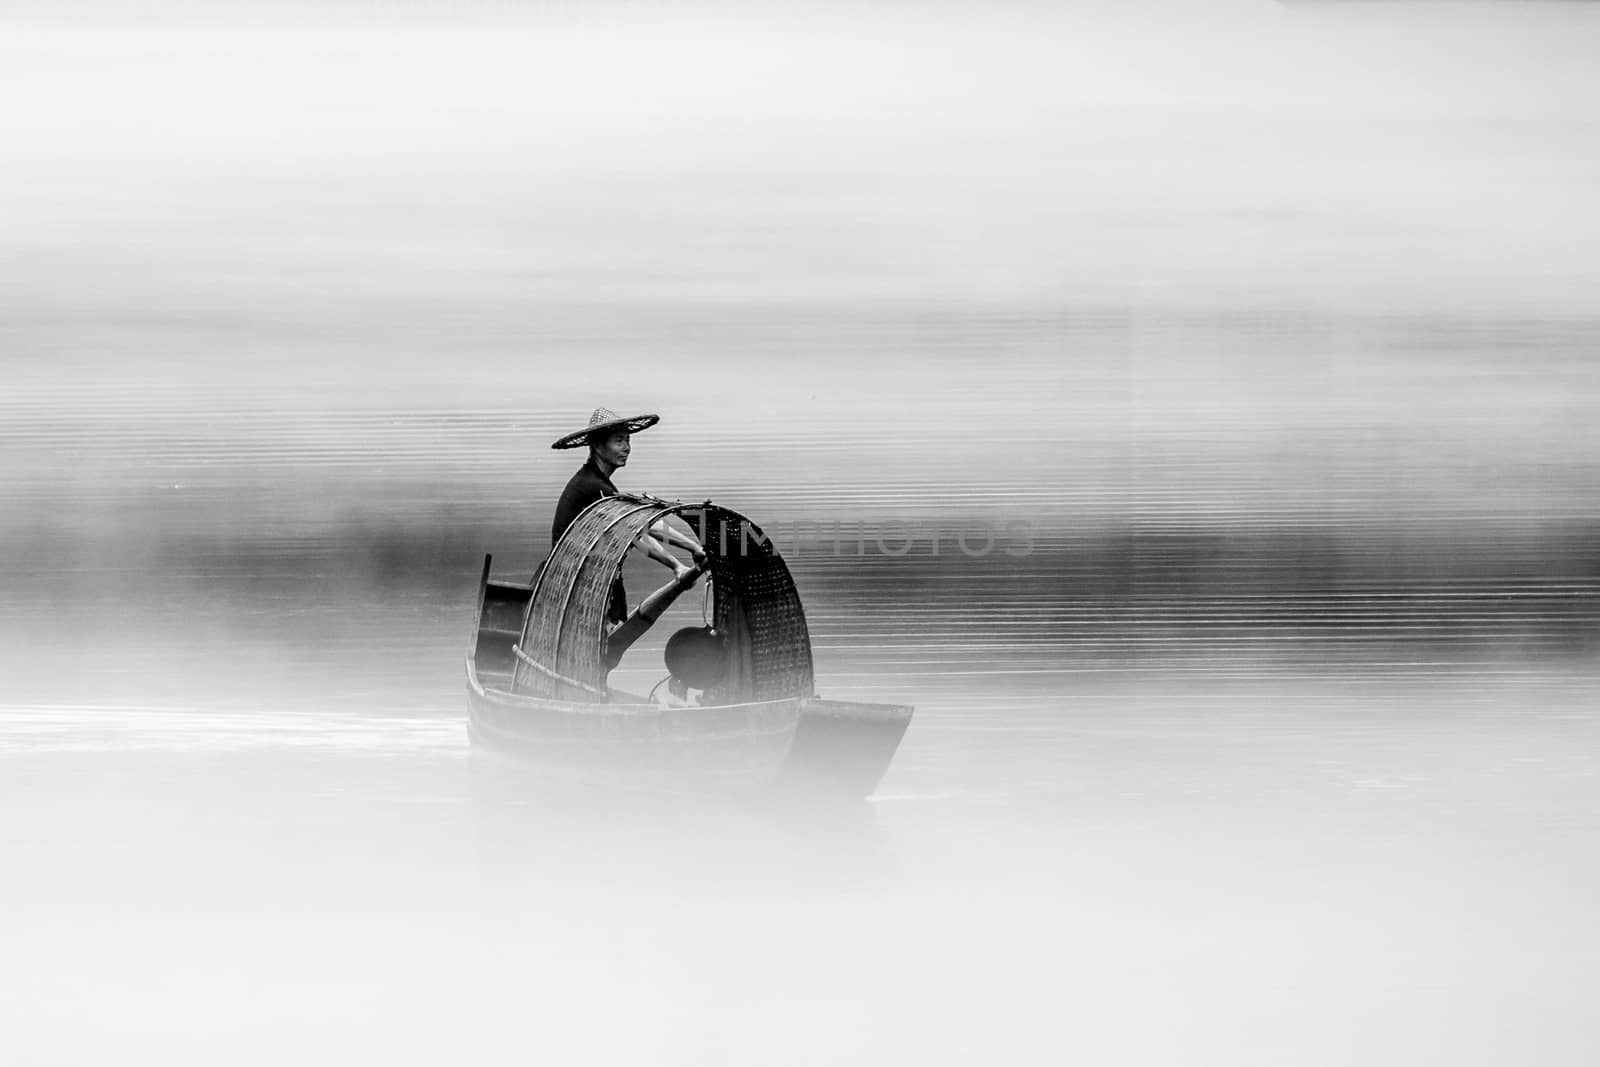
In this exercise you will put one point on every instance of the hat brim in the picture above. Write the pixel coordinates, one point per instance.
(633, 425)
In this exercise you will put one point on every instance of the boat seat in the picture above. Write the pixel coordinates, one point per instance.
(504, 604)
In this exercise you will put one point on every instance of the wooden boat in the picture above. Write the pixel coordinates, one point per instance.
(536, 672)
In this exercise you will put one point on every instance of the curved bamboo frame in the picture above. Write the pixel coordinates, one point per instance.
(561, 655)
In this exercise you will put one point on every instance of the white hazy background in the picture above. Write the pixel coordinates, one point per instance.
(1273, 323)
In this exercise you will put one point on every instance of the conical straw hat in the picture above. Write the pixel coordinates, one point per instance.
(604, 421)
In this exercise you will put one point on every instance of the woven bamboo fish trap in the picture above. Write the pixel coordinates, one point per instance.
(755, 606)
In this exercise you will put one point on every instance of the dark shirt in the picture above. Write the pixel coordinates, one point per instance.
(583, 489)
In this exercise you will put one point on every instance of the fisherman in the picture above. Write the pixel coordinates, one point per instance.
(610, 441)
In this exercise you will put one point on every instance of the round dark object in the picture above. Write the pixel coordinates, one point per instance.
(698, 656)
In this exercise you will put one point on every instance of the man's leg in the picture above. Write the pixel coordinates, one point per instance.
(649, 610)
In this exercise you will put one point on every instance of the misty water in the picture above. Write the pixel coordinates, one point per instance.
(1191, 411)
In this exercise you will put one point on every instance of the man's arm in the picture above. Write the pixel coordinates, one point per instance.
(659, 531)
(658, 552)
(663, 530)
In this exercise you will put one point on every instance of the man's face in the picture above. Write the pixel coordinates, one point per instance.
(614, 449)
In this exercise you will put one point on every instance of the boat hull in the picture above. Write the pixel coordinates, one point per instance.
(801, 743)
